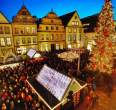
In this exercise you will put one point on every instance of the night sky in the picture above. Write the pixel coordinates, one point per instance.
(40, 8)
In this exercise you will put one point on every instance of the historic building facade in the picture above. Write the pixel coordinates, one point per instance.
(24, 29)
(6, 39)
(74, 30)
(51, 33)
(89, 24)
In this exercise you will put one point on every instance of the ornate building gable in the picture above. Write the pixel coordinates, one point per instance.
(70, 19)
(75, 20)
(23, 16)
(3, 18)
(51, 19)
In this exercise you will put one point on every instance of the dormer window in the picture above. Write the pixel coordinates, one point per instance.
(75, 17)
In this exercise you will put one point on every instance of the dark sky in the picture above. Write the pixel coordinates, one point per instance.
(41, 7)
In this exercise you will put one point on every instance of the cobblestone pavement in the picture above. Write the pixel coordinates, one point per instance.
(105, 102)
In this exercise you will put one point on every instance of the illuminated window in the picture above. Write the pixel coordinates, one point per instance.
(34, 40)
(46, 47)
(61, 46)
(2, 42)
(47, 37)
(27, 30)
(74, 30)
(7, 30)
(8, 40)
(74, 37)
(57, 46)
(75, 23)
(33, 30)
(42, 37)
(29, 40)
(1, 30)
(69, 30)
(69, 37)
(18, 41)
(52, 37)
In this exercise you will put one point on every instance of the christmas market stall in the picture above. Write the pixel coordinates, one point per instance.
(55, 90)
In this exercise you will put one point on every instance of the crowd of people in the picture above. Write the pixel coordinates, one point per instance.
(16, 94)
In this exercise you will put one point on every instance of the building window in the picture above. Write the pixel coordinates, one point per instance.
(74, 30)
(7, 30)
(69, 37)
(61, 46)
(1, 30)
(47, 28)
(47, 37)
(69, 30)
(42, 37)
(22, 31)
(27, 30)
(33, 30)
(16, 31)
(8, 40)
(23, 41)
(52, 28)
(34, 40)
(18, 41)
(46, 47)
(75, 23)
(75, 17)
(57, 46)
(61, 37)
(52, 37)
(57, 28)
(29, 40)
(57, 36)
(2, 42)
(74, 37)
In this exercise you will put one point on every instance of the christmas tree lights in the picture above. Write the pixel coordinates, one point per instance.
(102, 54)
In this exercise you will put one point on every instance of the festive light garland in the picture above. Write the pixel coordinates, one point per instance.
(102, 54)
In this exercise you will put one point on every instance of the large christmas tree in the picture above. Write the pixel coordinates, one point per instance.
(102, 54)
